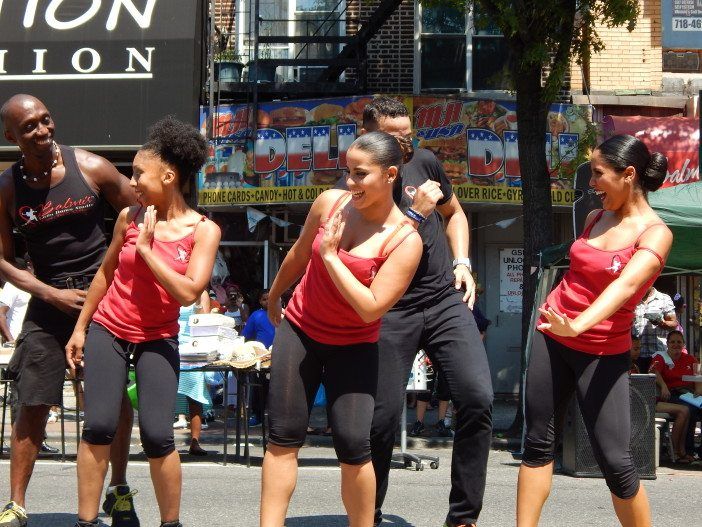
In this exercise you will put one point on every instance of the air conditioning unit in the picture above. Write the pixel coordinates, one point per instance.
(681, 61)
(308, 73)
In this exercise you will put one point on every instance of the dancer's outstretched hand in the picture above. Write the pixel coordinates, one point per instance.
(332, 234)
(557, 324)
(146, 230)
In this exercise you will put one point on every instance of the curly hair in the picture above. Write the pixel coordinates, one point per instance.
(382, 107)
(179, 144)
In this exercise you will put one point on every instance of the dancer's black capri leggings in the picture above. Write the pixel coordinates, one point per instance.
(601, 384)
(349, 374)
(156, 363)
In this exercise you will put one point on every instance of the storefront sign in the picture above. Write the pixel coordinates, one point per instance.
(106, 69)
(511, 263)
(682, 24)
(677, 138)
(477, 141)
(301, 146)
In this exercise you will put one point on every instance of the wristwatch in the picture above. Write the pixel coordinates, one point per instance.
(462, 261)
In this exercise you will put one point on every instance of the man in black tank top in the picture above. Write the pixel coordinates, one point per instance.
(433, 315)
(54, 196)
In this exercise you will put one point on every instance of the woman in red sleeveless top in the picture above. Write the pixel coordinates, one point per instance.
(160, 258)
(357, 254)
(586, 324)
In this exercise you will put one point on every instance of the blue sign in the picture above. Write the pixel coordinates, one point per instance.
(682, 24)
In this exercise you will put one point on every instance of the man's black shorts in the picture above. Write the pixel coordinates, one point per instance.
(38, 364)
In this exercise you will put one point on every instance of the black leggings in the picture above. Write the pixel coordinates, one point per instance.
(107, 361)
(349, 375)
(601, 384)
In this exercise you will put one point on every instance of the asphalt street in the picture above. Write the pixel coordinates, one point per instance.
(228, 495)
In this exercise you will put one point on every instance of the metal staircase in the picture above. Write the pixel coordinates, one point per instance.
(341, 70)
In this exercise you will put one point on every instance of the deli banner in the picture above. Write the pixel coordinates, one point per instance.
(300, 148)
(677, 138)
(106, 69)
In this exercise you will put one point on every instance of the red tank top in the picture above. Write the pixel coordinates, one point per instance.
(136, 307)
(319, 309)
(591, 271)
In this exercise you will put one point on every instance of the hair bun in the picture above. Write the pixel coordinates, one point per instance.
(656, 170)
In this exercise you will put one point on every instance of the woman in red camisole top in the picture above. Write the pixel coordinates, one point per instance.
(160, 258)
(586, 324)
(356, 255)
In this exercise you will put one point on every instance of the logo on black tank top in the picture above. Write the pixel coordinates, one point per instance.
(44, 212)
(616, 266)
(28, 214)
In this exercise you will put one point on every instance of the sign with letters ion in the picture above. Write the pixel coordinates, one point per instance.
(106, 69)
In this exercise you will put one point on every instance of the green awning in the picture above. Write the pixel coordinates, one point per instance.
(680, 207)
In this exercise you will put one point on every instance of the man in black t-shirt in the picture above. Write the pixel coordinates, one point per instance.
(433, 315)
(54, 196)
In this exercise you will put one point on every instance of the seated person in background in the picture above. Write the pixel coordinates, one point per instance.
(679, 413)
(669, 368)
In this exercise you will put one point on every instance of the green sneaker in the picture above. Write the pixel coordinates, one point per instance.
(119, 506)
(13, 516)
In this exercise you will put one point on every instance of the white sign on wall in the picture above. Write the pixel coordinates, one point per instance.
(511, 263)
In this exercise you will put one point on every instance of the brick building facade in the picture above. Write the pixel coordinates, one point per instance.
(631, 60)
(391, 51)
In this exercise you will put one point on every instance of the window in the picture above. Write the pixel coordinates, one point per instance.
(291, 17)
(317, 17)
(460, 51)
(443, 45)
(274, 22)
(489, 57)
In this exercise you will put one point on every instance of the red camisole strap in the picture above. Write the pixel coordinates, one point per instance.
(588, 229)
(338, 203)
(392, 235)
(653, 252)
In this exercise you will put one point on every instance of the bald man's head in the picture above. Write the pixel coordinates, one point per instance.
(15, 107)
(28, 124)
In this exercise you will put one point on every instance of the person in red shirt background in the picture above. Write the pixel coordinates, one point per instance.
(669, 373)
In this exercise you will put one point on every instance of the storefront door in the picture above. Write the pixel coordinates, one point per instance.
(503, 306)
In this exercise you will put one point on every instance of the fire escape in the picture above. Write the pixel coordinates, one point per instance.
(283, 58)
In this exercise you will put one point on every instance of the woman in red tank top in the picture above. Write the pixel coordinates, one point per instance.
(586, 325)
(160, 258)
(356, 256)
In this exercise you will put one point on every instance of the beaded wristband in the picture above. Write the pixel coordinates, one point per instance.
(414, 215)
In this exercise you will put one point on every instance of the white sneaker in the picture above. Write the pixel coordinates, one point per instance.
(180, 423)
(204, 426)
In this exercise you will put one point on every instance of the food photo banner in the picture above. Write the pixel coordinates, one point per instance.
(300, 148)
